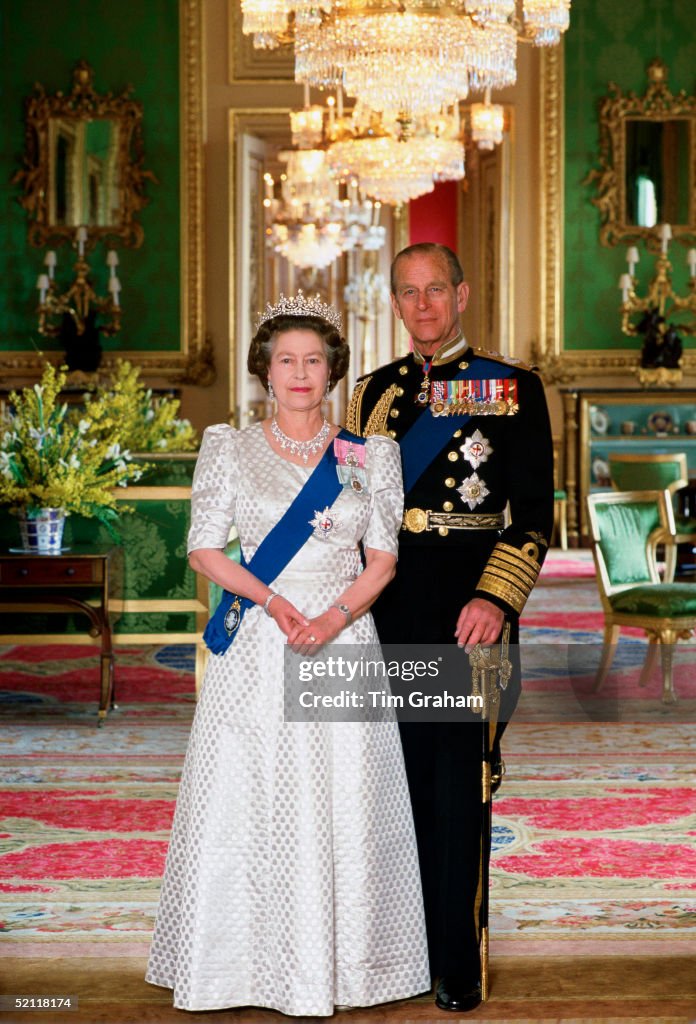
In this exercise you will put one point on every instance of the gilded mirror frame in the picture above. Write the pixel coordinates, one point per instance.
(192, 363)
(616, 109)
(556, 365)
(42, 117)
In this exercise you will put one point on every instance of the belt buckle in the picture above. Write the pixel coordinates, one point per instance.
(416, 520)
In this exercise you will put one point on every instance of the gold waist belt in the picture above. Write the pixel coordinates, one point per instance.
(416, 520)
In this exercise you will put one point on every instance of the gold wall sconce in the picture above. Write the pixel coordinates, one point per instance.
(80, 301)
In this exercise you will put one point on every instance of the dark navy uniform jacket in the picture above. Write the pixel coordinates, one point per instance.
(494, 464)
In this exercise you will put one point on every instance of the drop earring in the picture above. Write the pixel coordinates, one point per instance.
(328, 391)
(271, 392)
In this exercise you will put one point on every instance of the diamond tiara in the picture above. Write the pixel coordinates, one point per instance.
(300, 306)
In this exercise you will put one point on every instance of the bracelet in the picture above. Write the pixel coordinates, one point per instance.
(346, 611)
(267, 603)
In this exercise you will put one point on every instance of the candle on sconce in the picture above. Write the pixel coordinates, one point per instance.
(50, 261)
(665, 236)
(42, 284)
(331, 104)
(114, 288)
(691, 260)
(339, 101)
(625, 284)
(81, 237)
(632, 258)
(112, 261)
(353, 191)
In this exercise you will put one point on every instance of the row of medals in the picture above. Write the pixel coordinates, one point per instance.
(468, 407)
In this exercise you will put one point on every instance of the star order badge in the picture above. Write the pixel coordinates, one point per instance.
(476, 449)
(324, 523)
(473, 490)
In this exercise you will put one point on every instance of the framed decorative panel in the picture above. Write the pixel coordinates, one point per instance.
(163, 330)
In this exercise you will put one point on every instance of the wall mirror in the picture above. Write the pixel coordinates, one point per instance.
(83, 164)
(647, 173)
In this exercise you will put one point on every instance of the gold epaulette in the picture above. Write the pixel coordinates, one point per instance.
(355, 406)
(377, 421)
(511, 573)
(498, 357)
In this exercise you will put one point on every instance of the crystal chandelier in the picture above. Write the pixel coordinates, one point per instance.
(415, 56)
(546, 20)
(317, 215)
(487, 123)
(299, 225)
(397, 161)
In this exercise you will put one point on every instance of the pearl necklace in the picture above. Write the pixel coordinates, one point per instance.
(301, 448)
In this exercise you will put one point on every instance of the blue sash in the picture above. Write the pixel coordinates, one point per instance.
(280, 546)
(430, 434)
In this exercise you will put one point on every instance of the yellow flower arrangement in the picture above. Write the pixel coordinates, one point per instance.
(52, 458)
(147, 424)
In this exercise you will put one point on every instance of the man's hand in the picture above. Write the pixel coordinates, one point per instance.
(479, 622)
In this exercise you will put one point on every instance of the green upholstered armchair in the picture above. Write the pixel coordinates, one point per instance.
(626, 527)
(646, 472)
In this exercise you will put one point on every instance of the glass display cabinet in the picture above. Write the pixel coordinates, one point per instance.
(600, 421)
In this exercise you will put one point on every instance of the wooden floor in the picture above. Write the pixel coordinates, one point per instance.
(583, 989)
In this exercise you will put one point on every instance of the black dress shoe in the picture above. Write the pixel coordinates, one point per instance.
(497, 773)
(455, 994)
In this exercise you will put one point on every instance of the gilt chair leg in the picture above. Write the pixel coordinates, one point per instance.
(667, 642)
(563, 525)
(649, 663)
(611, 639)
(670, 563)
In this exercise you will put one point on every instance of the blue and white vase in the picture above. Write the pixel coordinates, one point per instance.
(42, 530)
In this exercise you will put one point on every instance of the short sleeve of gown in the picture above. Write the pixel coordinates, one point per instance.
(383, 467)
(214, 488)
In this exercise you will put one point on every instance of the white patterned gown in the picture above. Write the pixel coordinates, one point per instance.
(292, 877)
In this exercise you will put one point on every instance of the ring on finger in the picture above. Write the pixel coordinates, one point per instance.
(312, 638)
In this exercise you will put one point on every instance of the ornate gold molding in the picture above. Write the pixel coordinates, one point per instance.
(193, 362)
(197, 366)
(566, 367)
(551, 161)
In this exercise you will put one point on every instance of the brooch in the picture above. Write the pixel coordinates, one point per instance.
(233, 616)
(476, 449)
(324, 523)
(473, 490)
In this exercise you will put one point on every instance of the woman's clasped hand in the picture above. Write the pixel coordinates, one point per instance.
(305, 636)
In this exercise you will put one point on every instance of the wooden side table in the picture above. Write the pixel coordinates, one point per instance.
(80, 580)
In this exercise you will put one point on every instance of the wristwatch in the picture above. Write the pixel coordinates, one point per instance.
(346, 611)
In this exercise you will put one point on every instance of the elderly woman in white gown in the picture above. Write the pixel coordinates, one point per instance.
(292, 877)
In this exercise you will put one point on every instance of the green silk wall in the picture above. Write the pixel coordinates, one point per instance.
(611, 42)
(133, 42)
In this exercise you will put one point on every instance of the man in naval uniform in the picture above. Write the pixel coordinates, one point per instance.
(476, 440)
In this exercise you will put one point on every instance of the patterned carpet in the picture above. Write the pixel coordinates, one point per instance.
(593, 835)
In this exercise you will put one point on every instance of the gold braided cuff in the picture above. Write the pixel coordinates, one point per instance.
(510, 574)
